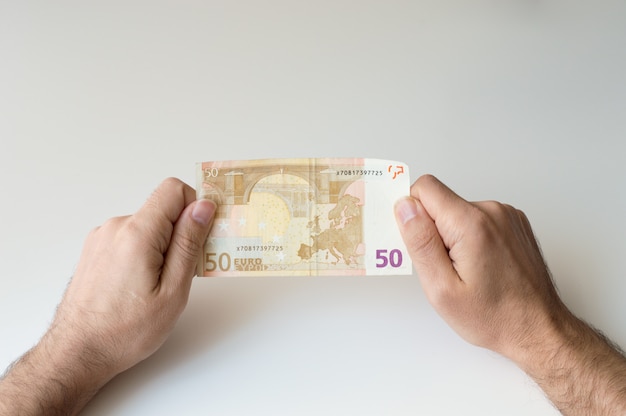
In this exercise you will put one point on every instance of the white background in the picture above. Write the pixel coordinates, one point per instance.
(520, 101)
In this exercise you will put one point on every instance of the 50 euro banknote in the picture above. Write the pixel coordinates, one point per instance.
(304, 217)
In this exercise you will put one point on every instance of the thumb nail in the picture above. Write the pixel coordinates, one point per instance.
(406, 209)
(203, 211)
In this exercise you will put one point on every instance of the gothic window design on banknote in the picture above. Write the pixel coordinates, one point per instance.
(303, 217)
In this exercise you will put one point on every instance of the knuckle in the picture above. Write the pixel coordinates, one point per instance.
(109, 227)
(446, 297)
(422, 240)
(113, 223)
(173, 186)
(133, 229)
(440, 296)
(500, 212)
(425, 181)
(424, 244)
(169, 186)
(137, 236)
(172, 182)
(427, 178)
(522, 216)
(188, 246)
(171, 189)
(483, 224)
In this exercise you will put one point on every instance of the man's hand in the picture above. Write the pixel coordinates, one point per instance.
(134, 276)
(130, 286)
(482, 270)
(480, 266)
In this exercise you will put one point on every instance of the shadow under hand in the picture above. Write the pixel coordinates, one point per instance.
(217, 309)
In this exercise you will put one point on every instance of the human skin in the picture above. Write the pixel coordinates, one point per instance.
(130, 286)
(479, 264)
(481, 268)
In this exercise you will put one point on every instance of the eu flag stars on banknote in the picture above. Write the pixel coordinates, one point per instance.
(304, 217)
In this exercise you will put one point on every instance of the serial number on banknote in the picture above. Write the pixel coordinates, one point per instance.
(360, 172)
(260, 248)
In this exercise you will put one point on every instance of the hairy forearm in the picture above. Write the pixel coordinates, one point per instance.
(579, 370)
(29, 388)
(56, 377)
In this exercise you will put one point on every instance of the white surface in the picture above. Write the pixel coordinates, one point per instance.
(519, 101)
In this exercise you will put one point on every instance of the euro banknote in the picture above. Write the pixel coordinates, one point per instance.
(304, 217)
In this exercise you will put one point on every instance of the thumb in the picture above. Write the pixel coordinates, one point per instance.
(188, 237)
(426, 248)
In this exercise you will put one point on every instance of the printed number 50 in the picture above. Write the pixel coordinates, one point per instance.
(394, 259)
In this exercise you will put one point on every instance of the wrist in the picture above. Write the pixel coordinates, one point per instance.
(554, 336)
(577, 367)
(57, 376)
(72, 352)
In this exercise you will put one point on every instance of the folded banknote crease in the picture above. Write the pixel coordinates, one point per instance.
(304, 217)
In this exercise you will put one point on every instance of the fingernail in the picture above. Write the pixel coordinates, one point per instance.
(203, 211)
(406, 210)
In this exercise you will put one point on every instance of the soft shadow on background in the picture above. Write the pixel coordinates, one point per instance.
(222, 312)
(216, 311)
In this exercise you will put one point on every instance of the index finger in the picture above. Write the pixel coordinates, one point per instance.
(443, 205)
(162, 209)
(436, 197)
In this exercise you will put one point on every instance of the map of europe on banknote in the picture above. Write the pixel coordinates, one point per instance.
(304, 217)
